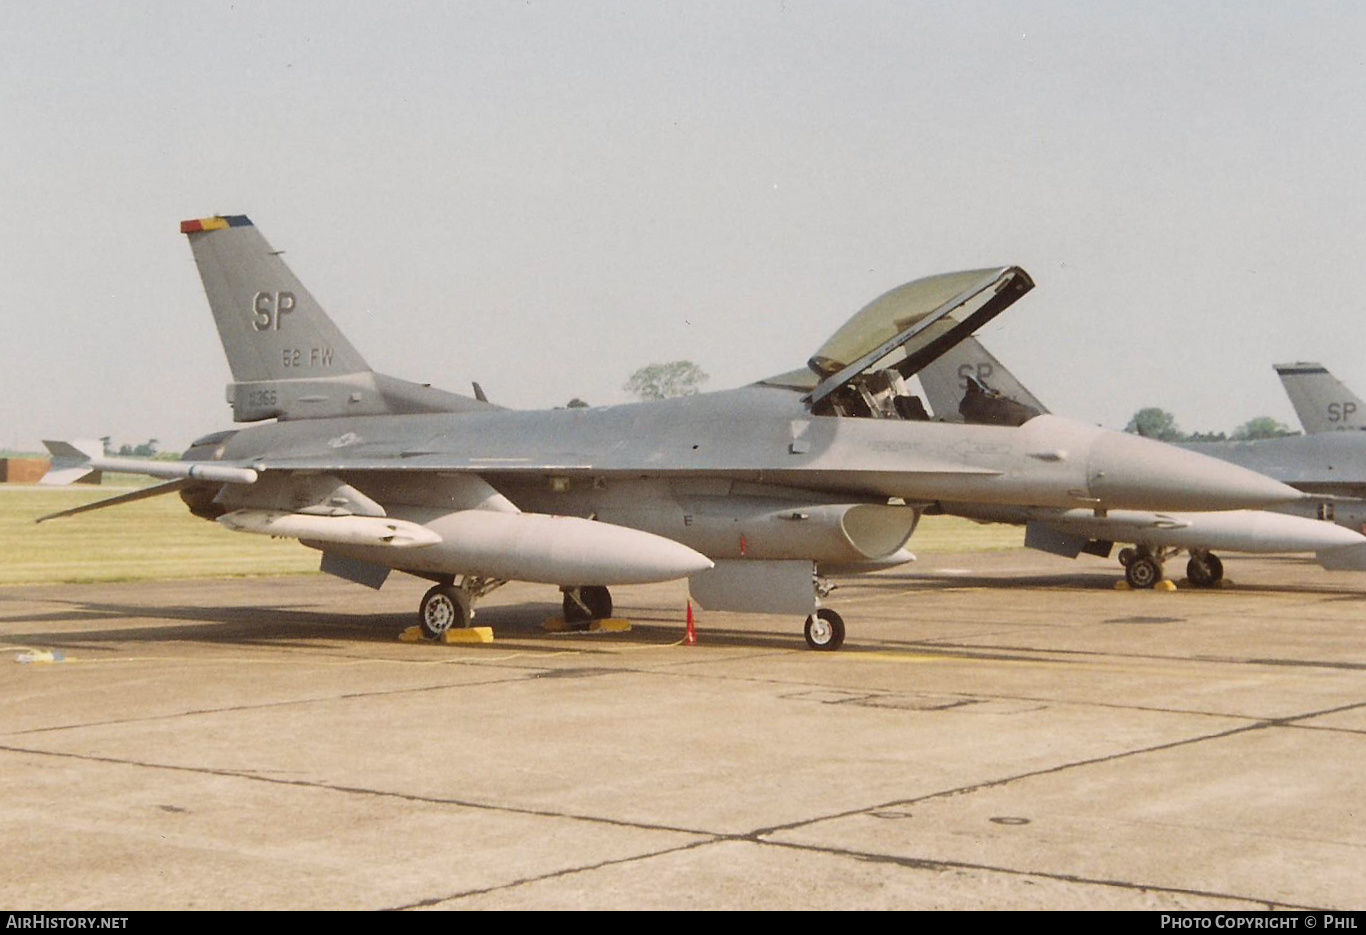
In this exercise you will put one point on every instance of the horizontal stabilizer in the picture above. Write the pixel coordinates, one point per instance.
(131, 497)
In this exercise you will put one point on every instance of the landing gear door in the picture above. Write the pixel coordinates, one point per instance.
(756, 587)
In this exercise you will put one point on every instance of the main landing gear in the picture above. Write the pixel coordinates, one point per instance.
(449, 606)
(1204, 570)
(1143, 567)
(587, 603)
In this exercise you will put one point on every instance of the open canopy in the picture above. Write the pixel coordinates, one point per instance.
(906, 328)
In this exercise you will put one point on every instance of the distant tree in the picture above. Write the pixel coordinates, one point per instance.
(664, 381)
(146, 450)
(1260, 427)
(576, 403)
(1155, 423)
(1206, 437)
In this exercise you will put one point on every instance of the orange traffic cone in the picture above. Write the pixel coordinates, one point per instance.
(691, 638)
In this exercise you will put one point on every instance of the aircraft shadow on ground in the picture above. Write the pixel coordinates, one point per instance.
(263, 625)
(1091, 581)
(76, 625)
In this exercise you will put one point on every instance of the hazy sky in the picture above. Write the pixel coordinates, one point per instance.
(545, 196)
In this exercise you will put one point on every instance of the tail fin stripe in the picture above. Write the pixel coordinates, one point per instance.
(215, 223)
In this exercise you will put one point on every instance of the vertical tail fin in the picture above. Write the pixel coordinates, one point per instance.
(1320, 400)
(962, 373)
(289, 360)
(271, 327)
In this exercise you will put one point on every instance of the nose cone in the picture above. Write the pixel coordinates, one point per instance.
(1131, 472)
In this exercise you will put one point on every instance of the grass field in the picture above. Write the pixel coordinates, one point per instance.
(158, 538)
(952, 534)
(149, 539)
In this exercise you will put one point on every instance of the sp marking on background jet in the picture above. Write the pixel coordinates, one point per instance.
(1321, 401)
(752, 494)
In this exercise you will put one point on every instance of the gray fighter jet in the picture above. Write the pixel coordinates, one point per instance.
(1321, 401)
(968, 384)
(751, 493)
(1328, 464)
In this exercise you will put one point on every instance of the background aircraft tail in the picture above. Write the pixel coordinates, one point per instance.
(1320, 400)
(954, 386)
(288, 359)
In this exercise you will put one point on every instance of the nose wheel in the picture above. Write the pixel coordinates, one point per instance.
(825, 630)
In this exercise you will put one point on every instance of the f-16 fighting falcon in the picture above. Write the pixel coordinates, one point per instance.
(753, 494)
(968, 383)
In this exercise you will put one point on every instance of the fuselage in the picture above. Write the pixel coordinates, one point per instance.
(765, 435)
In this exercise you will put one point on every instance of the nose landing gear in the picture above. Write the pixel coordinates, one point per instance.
(825, 630)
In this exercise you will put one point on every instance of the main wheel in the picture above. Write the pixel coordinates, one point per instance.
(825, 630)
(1126, 555)
(442, 608)
(1204, 571)
(596, 598)
(1142, 572)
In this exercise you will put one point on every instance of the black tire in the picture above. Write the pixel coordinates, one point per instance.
(1204, 571)
(1126, 555)
(825, 630)
(443, 608)
(598, 599)
(595, 597)
(1142, 572)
